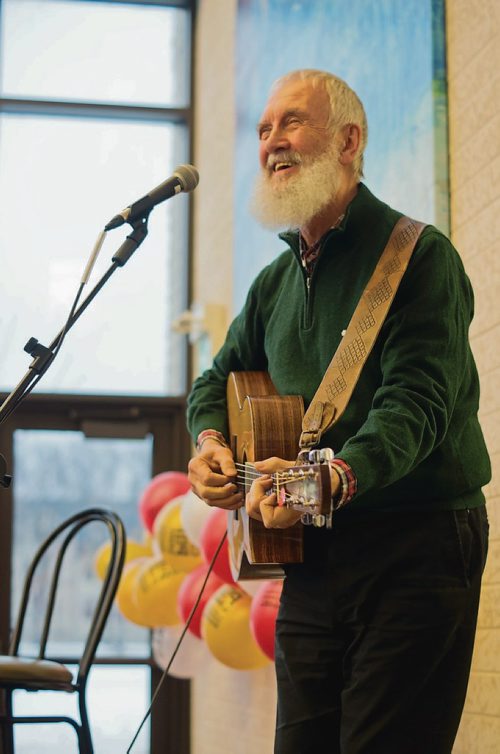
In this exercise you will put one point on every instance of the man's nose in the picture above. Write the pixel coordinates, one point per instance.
(277, 139)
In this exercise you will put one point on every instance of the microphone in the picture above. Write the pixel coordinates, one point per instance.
(185, 178)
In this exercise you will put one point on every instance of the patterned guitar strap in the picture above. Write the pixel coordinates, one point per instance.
(339, 381)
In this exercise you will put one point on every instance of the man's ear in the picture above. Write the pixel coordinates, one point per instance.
(350, 143)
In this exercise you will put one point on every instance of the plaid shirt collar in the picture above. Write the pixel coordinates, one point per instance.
(309, 254)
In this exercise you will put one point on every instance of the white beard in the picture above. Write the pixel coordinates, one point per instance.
(293, 202)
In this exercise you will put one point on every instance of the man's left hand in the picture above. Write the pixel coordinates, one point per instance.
(264, 506)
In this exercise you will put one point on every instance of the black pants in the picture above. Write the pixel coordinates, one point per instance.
(375, 634)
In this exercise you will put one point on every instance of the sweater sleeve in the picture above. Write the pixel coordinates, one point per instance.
(425, 362)
(243, 350)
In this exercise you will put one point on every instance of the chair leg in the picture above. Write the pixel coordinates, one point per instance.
(84, 736)
(6, 724)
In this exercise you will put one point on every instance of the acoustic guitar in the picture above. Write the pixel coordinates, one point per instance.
(264, 424)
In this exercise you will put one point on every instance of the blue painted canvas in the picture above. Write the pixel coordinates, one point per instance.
(392, 53)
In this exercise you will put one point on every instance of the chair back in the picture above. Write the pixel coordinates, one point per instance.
(65, 533)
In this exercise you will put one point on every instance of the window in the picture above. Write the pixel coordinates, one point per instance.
(94, 112)
(68, 453)
(59, 473)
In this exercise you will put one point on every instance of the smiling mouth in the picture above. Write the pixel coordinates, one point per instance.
(283, 167)
(283, 163)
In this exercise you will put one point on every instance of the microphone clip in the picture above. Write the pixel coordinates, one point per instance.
(41, 355)
(132, 241)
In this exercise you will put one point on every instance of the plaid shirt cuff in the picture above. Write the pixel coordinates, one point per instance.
(213, 434)
(348, 481)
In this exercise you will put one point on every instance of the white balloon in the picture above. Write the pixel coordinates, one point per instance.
(192, 657)
(194, 513)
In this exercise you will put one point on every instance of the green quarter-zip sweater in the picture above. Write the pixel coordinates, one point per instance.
(410, 433)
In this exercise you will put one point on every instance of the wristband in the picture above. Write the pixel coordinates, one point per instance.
(210, 434)
(348, 483)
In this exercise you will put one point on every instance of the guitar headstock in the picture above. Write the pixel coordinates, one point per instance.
(307, 487)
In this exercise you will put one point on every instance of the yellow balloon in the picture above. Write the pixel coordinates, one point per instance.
(172, 542)
(125, 599)
(133, 550)
(147, 542)
(155, 593)
(225, 626)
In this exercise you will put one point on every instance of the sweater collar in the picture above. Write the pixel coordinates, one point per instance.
(359, 220)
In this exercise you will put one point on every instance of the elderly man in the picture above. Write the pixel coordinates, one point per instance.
(376, 627)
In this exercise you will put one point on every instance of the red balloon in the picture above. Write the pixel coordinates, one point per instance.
(211, 535)
(263, 615)
(158, 492)
(188, 594)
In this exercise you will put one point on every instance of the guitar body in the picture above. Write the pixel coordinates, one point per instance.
(261, 424)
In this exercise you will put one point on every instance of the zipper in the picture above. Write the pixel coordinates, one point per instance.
(308, 282)
(309, 278)
(307, 285)
(307, 310)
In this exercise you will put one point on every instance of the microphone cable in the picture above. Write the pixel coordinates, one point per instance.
(178, 645)
(37, 377)
(57, 346)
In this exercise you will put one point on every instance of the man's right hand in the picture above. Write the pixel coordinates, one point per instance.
(212, 474)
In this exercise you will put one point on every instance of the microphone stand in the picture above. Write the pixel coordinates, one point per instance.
(44, 355)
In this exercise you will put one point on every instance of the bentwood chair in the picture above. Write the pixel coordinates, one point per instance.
(40, 672)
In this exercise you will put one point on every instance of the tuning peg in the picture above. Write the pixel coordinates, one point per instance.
(320, 455)
(327, 455)
(303, 457)
(306, 519)
(315, 456)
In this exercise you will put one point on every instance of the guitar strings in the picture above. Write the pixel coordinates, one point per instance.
(251, 471)
(287, 495)
(248, 474)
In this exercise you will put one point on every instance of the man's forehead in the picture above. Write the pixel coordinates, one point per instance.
(297, 94)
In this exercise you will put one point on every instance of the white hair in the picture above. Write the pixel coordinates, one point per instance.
(345, 106)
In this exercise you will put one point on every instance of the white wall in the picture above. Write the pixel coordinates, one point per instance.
(473, 28)
(234, 711)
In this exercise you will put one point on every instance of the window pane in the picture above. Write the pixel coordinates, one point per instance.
(56, 49)
(117, 697)
(58, 473)
(61, 180)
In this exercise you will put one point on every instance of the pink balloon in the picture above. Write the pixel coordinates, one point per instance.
(188, 594)
(158, 492)
(211, 535)
(263, 615)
